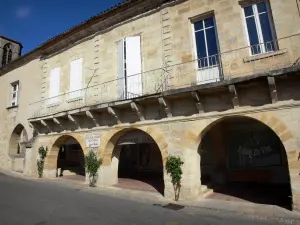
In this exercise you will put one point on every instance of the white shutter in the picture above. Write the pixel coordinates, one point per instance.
(121, 72)
(76, 78)
(133, 66)
(54, 85)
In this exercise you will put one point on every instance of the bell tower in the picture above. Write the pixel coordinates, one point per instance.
(9, 50)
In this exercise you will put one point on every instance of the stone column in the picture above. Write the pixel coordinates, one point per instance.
(191, 182)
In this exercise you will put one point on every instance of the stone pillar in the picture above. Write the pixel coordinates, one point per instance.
(191, 182)
(30, 167)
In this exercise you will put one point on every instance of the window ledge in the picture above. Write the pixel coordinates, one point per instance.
(74, 99)
(12, 107)
(264, 55)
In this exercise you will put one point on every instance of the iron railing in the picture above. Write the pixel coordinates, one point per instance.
(257, 59)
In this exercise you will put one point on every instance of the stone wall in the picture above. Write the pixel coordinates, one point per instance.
(167, 36)
(29, 90)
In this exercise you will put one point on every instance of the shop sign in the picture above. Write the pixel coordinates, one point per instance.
(92, 141)
(135, 137)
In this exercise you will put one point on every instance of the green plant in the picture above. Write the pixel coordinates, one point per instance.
(41, 161)
(92, 164)
(173, 167)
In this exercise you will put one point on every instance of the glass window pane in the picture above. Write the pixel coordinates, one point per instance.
(198, 25)
(212, 46)
(253, 35)
(248, 11)
(209, 22)
(201, 48)
(15, 87)
(265, 27)
(261, 7)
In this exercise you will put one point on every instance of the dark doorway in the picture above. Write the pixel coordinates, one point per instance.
(70, 161)
(140, 165)
(244, 160)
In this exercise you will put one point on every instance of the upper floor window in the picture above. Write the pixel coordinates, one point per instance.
(129, 67)
(14, 93)
(54, 85)
(207, 50)
(259, 28)
(76, 79)
(7, 54)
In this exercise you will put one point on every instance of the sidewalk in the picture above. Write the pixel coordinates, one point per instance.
(211, 205)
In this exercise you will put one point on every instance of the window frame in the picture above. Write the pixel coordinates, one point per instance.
(14, 102)
(258, 28)
(198, 19)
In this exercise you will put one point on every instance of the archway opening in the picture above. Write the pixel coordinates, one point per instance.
(18, 136)
(242, 159)
(70, 159)
(140, 164)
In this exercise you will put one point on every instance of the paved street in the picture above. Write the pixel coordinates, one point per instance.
(39, 203)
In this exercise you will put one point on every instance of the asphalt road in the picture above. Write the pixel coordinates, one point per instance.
(39, 203)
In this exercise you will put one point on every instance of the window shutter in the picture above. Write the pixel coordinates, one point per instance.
(54, 82)
(76, 75)
(133, 55)
(121, 71)
(133, 66)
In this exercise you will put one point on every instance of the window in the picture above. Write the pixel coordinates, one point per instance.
(129, 67)
(206, 43)
(54, 85)
(7, 54)
(207, 51)
(14, 93)
(259, 28)
(76, 79)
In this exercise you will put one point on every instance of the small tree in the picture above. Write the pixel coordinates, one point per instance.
(173, 167)
(92, 164)
(41, 161)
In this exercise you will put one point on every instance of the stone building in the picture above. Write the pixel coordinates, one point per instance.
(9, 50)
(214, 82)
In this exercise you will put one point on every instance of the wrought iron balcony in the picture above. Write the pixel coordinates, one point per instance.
(270, 57)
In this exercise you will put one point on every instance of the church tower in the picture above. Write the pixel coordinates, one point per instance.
(9, 50)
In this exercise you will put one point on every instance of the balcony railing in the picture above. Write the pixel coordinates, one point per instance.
(258, 59)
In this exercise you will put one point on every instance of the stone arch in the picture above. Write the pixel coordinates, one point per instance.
(284, 139)
(268, 119)
(18, 135)
(110, 153)
(51, 159)
(110, 139)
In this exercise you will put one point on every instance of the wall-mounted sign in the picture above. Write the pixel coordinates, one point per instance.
(135, 137)
(92, 141)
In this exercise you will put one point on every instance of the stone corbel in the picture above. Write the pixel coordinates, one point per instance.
(114, 113)
(94, 116)
(59, 122)
(198, 103)
(234, 95)
(273, 89)
(165, 105)
(44, 123)
(138, 109)
(74, 119)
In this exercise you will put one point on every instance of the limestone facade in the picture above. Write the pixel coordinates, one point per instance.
(177, 113)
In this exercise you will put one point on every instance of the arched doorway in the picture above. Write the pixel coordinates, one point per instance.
(17, 148)
(242, 159)
(69, 158)
(140, 164)
(18, 136)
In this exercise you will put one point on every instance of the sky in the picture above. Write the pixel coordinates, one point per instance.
(32, 22)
